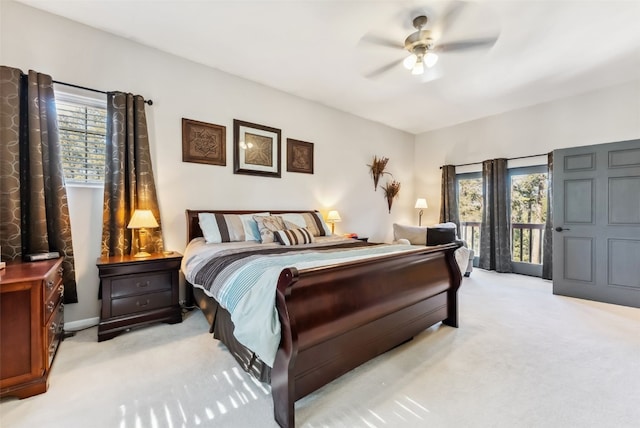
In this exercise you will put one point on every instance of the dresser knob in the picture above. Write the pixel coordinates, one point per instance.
(61, 290)
(142, 284)
(140, 305)
(50, 284)
(50, 306)
(52, 328)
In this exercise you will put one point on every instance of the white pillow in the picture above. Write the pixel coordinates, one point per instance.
(416, 235)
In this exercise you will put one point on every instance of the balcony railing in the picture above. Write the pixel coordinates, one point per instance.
(526, 240)
(470, 233)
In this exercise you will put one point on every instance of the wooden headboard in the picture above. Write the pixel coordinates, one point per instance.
(193, 223)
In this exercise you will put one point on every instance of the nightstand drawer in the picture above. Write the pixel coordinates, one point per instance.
(140, 303)
(136, 284)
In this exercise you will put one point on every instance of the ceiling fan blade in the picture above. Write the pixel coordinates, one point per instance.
(381, 41)
(450, 15)
(385, 68)
(466, 45)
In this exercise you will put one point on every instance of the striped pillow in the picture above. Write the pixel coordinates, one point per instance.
(311, 220)
(293, 236)
(217, 228)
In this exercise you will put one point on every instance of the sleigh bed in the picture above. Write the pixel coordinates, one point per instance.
(334, 318)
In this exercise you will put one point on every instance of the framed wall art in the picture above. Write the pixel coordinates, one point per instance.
(204, 142)
(299, 156)
(256, 149)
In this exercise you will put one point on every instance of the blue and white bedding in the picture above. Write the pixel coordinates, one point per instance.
(242, 278)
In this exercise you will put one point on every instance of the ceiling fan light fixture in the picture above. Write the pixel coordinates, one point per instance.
(410, 61)
(418, 68)
(430, 59)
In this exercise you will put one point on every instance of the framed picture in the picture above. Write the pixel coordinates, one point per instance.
(204, 142)
(256, 149)
(299, 156)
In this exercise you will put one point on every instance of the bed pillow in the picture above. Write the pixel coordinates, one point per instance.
(294, 236)
(311, 220)
(267, 225)
(416, 235)
(217, 228)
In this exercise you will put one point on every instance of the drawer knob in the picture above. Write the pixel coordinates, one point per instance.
(53, 327)
(50, 306)
(60, 271)
(61, 290)
(140, 305)
(50, 284)
(142, 284)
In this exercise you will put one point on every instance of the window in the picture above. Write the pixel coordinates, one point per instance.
(82, 123)
(470, 208)
(528, 216)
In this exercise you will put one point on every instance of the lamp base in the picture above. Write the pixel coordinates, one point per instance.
(141, 254)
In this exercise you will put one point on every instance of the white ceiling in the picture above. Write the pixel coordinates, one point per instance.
(315, 49)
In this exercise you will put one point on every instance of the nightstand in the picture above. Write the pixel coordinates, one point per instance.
(138, 291)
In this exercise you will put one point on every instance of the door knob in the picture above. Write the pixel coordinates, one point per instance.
(559, 229)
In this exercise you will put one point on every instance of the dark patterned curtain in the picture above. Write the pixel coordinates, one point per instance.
(34, 215)
(449, 196)
(129, 183)
(547, 248)
(495, 240)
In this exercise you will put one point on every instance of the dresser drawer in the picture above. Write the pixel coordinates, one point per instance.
(140, 303)
(52, 285)
(54, 330)
(131, 285)
(52, 302)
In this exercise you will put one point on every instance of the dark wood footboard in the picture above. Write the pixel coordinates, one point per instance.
(336, 318)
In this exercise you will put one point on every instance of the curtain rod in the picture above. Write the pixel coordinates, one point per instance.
(519, 157)
(149, 102)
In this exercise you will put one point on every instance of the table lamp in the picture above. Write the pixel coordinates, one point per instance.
(333, 217)
(142, 220)
(421, 203)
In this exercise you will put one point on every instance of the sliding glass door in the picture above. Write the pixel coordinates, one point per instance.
(470, 210)
(528, 200)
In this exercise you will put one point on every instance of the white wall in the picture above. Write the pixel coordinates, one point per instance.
(604, 116)
(344, 144)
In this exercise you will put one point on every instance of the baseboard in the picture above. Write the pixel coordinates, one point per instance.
(81, 324)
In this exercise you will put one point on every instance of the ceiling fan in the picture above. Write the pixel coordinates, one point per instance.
(423, 46)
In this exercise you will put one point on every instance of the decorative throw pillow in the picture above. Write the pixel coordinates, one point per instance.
(311, 220)
(267, 225)
(218, 228)
(294, 236)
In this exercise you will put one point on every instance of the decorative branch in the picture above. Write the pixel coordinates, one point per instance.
(391, 191)
(377, 169)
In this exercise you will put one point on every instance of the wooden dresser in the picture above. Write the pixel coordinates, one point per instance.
(138, 291)
(31, 325)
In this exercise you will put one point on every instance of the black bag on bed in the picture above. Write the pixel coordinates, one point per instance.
(440, 235)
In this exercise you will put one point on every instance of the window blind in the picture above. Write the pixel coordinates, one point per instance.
(82, 125)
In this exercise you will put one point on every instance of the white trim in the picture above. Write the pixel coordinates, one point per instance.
(81, 324)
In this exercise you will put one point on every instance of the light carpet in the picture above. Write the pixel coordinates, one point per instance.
(522, 357)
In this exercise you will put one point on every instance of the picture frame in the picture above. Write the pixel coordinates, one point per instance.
(204, 142)
(299, 156)
(256, 149)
